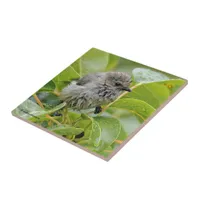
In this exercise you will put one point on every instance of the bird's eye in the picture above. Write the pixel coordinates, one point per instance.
(117, 84)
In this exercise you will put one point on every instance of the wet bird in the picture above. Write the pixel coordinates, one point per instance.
(95, 90)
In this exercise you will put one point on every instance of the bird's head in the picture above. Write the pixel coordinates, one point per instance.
(119, 80)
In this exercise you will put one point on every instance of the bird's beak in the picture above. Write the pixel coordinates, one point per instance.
(127, 89)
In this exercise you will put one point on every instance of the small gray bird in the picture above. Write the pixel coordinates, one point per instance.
(96, 89)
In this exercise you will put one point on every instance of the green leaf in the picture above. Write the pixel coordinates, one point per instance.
(65, 77)
(95, 134)
(76, 66)
(50, 86)
(83, 142)
(44, 124)
(66, 130)
(155, 93)
(94, 61)
(112, 62)
(122, 137)
(142, 109)
(152, 93)
(58, 107)
(128, 119)
(74, 116)
(127, 66)
(47, 98)
(44, 118)
(148, 75)
(123, 134)
(86, 125)
(91, 129)
(110, 130)
(30, 109)
(106, 152)
(85, 116)
(173, 85)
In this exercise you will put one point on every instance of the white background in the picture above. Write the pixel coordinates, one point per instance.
(40, 38)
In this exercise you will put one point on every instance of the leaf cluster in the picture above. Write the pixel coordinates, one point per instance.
(104, 132)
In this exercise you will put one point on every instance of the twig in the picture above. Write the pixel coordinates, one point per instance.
(56, 92)
(38, 100)
(52, 119)
(41, 105)
(119, 97)
(118, 141)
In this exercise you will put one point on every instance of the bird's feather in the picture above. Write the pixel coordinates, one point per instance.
(90, 78)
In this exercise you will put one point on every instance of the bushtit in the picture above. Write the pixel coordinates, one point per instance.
(96, 89)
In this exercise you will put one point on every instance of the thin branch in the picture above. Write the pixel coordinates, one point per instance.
(119, 97)
(56, 92)
(52, 119)
(118, 141)
(41, 105)
(38, 100)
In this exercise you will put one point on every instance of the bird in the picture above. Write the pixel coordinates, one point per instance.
(94, 90)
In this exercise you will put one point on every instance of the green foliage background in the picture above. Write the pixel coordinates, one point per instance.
(107, 130)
